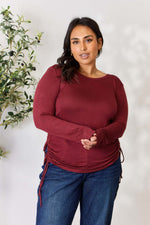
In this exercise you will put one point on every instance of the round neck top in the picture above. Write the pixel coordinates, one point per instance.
(82, 75)
(75, 111)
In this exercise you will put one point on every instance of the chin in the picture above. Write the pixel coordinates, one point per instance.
(86, 62)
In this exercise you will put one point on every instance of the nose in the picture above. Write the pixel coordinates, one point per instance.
(83, 46)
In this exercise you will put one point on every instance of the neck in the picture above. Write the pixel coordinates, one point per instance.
(88, 69)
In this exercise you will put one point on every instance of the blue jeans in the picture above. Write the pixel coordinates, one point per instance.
(63, 190)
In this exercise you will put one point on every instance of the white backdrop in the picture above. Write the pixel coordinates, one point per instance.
(126, 53)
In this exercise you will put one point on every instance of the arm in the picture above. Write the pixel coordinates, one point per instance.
(44, 110)
(115, 130)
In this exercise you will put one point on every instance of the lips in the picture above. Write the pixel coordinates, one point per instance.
(84, 55)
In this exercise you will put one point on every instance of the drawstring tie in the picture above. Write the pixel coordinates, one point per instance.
(44, 173)
(121, 153)
(42, 180)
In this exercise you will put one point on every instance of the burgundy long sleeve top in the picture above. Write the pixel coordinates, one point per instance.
(71, 112)
(75, 111)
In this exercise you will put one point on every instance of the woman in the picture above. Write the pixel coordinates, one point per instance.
(84, 112)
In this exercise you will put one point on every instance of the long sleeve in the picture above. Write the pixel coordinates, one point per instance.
(44, 110)
(116, 128)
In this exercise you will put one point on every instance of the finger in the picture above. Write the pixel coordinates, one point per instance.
(89, 143)
(93, 138)
(85, 141)
(89, 146)
(86, 147)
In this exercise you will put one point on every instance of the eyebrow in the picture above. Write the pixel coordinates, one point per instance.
(84, 37)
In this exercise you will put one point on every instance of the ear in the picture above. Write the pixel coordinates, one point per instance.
(99, 41)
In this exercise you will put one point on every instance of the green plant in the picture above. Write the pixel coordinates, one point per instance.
(17, 63)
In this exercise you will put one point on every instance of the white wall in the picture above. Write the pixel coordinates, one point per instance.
(126, 53)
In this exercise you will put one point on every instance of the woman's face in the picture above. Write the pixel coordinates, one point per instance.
(84, 45)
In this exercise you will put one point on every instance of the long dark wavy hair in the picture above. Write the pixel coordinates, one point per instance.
(66, 62)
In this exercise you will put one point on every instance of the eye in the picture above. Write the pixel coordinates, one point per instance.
(75, 42)
(89, 40)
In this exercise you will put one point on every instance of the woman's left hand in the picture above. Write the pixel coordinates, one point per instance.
(88, 144)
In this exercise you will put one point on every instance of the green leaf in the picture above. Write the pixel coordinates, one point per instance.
(29, 110)
(30, 97)
(10, 113)
(25, 93)
(2, 99)
(32, 52)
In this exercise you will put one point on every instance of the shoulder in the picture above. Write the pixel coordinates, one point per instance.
(115, 79)
(53, 73)
(54, 70)
(51, 77)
